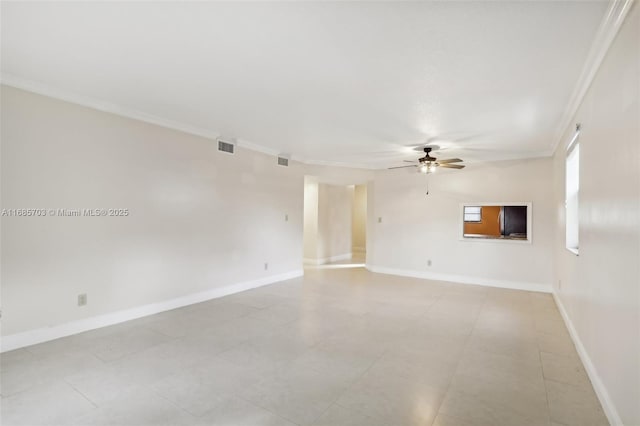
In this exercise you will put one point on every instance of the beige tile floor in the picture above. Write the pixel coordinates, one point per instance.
(337, 347)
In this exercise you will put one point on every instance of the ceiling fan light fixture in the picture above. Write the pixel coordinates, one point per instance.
(429, 164)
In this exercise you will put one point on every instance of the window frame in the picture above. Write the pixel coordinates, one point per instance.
(571, 211)
(464, 215)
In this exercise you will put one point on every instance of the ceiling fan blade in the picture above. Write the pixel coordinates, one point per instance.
(450, 160)
(409, 161)
(401, 167)
(452, 166)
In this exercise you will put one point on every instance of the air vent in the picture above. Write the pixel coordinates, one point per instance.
(226, 147)
(283, 161)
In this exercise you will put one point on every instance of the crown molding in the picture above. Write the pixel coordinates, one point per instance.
(607, 31)
(337, 164)
(97, 104)
(124, 111)
(256, 147)
(94, 103)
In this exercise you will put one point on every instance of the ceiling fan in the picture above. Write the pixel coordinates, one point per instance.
(429, 164)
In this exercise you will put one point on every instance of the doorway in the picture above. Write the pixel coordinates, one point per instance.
(359, 224)
(335, 222)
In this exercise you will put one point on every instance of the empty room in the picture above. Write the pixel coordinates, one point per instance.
(320, 213)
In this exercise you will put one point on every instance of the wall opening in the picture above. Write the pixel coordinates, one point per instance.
(359, 223)
(310, 220)
(335, 218)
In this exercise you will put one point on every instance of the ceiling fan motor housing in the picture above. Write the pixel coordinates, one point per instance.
(427, 158)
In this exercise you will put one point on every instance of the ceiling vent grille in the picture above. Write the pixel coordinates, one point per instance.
(226, 147)
(283, 161)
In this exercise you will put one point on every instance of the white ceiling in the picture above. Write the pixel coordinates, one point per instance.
(346, 82)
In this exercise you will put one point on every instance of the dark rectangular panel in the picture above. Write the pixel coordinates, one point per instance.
(515, 221)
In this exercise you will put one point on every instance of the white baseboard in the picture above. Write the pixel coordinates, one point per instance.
(601, 391)
(516, 285)
(32, 337)
(323, 260)
(339, 257)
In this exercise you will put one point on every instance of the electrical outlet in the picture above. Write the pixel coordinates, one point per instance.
(82, 299)
(286, 218)
(266, 266)
(379, 220)
(559, 283)
(429, 262)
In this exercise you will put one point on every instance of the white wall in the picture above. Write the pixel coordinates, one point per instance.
(338, 175)
(334, 221)
(310, 236)
(600, 289)
(199, 219)
(417, 227)
(359, 219)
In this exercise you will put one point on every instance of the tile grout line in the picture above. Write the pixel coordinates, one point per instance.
(448, 387)
(236, 395)
(440, 296)
(486, 302)
(544, 382)
(95, 406)
(154, 392)
(348, 388)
